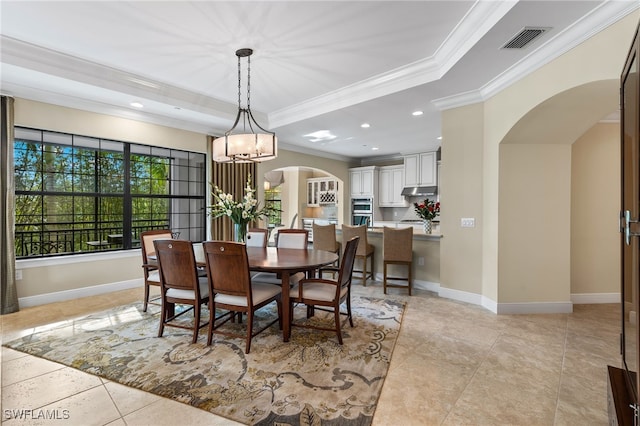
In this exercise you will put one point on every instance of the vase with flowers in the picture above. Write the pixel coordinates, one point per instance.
(427, 211)
(242, 212)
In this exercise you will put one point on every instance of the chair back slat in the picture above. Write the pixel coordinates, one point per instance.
(228, 268)
(177, 264)
(293, 238)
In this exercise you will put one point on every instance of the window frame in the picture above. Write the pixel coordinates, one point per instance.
(184, 194)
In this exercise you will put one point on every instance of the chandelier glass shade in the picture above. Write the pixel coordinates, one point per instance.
(246, 141)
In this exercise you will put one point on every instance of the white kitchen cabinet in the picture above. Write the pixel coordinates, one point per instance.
(322, 192)
(420, 169)
(364, 182)
(391, 182)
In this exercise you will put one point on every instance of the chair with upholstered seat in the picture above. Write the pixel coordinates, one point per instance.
(287, 239)
(293, 238)
(180, 284)
(257, 237)
(233, 290)
(397, 249)
(150, 265)
(365, 250)
(328, 295)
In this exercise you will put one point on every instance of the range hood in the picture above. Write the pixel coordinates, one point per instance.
(415, 191)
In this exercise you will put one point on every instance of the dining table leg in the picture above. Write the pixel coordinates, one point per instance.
(286, 318)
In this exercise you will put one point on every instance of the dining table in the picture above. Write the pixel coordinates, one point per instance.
(284, 262)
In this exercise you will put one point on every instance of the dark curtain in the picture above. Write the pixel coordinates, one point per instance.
(232, 179)
(8, 292)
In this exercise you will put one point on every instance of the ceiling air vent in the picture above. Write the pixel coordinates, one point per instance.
(524, 37)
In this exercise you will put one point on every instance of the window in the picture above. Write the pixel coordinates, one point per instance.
(77, 194)
(273, 199)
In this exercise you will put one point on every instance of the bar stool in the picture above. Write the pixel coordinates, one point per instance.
(397, 250)
(324, 238)
(365, 250)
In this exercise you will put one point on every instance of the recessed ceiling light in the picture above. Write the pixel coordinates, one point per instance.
(365, 125)
(439, 138)
(374, 148)
(416, 113)
(136, 104)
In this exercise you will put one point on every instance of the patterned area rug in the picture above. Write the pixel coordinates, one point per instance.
(308, 381)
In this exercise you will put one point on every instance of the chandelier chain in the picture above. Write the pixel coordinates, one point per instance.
(249, 82)
(239, 84)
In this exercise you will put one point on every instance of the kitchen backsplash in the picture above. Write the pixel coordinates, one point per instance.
(403, 213)
(323, 212)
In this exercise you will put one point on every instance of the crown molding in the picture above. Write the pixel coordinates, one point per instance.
(605, 15)
(474, 25)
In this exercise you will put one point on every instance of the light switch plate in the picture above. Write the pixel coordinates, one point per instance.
(468, 222)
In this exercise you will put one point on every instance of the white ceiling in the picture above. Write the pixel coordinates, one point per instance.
(317, 65)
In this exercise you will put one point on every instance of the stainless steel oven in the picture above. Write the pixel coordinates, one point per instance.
(361, 205)
(362, 219)
(362, 211)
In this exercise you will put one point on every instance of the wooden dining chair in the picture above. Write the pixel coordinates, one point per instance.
(180, 284)
(150, 266)
(365, 250)
(327, 295)
(257, 237)
(232, 290)
(397, 249)
(287, 239)
(293, 238)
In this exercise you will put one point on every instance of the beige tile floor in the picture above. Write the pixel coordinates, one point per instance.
(454, 364)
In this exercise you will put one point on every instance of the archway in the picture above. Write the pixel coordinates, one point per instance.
(294, 194)
(544, 188)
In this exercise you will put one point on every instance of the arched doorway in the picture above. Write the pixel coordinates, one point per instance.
(292, 195)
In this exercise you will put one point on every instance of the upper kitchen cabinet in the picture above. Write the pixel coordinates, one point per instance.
(391, 182)
(364, 182)
(420, 169)
(322, 192)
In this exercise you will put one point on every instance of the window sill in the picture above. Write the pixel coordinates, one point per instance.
(76, 258)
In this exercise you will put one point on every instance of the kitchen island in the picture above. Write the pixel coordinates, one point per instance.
(426, 257)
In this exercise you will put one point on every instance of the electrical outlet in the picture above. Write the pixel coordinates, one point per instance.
(18, 274)
(421, 261)
(468, 222)
(395, 214)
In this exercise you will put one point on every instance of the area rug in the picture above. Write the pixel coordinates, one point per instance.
(310, 380)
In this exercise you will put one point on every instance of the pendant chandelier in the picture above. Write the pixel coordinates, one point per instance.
(246, 141)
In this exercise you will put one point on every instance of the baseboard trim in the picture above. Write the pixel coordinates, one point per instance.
(535, 308)
(60, 296)
(595, 298)
(461, 296)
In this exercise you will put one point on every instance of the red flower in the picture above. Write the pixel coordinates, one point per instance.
(427, 210)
